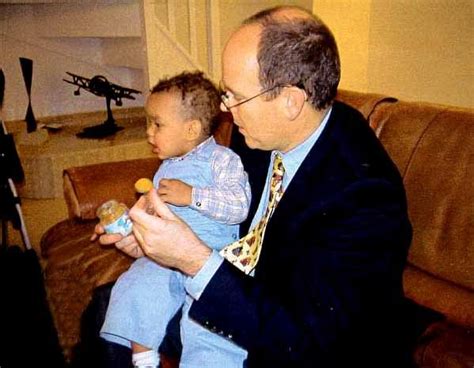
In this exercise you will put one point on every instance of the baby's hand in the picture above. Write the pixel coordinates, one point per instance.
(175, 192)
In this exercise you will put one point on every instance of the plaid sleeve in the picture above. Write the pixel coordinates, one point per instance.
(228, 199)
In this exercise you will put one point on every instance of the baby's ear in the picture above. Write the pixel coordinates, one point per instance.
(194, 129)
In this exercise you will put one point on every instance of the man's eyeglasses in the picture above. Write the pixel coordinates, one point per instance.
(225, 98)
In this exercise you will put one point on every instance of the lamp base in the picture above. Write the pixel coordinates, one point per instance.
(99, 131)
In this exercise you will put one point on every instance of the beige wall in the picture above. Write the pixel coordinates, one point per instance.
(412, 49)
(62, 37)
(233, 12)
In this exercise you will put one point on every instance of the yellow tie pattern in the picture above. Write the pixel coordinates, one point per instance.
(245, 252)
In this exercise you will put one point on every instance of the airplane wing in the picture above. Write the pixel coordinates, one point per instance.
(123, 92)
(79, 81)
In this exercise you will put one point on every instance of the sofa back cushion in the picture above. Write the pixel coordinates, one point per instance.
(433, 147)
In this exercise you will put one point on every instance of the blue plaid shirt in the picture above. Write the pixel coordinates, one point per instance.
(227, 199)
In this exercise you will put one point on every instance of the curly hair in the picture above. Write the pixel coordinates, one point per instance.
(297, 51)
(200, 99)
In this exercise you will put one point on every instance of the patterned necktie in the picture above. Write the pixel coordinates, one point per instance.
(244, 253)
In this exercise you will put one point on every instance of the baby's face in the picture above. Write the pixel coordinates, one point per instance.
(166, 129)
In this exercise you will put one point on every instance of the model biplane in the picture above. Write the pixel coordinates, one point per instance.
(100, 86)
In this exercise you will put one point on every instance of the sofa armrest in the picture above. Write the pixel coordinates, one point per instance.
(87, 187)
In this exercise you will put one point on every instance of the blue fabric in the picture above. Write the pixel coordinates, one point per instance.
(196, 170)
(147, 296)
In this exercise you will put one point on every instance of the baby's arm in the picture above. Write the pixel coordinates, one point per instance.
(228, 199)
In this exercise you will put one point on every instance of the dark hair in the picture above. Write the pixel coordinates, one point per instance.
(200, 99)
(299, 51)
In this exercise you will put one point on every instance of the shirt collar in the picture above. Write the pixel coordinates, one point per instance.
(195, 151)
(293, 158)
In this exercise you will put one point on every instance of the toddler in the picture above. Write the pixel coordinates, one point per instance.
(205, 184)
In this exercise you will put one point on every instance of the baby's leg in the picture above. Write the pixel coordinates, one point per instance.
(143, 356)
(143, 301)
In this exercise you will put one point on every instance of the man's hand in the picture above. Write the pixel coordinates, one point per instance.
(165, 238)
(175, 192)
(129, 244)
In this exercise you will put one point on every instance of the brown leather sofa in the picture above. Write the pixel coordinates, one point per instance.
(433, 147)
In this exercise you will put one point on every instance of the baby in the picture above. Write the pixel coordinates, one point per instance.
(205, 184)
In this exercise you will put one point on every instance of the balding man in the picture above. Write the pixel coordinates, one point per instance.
(316, 280)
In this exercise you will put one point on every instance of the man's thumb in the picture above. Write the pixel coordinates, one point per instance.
(160, 207)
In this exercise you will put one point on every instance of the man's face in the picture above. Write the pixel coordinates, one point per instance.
(166, 130)
(258, 119)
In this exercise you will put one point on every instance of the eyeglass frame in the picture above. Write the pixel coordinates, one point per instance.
(299, 85)
(223, 97)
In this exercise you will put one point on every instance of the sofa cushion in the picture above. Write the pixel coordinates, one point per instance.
(444, 345)
(433, 147)
(75, 267)
(452, 300)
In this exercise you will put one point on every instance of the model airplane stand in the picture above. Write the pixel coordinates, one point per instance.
(100, 86)
(107, 128)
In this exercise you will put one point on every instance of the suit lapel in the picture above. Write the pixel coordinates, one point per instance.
(307, 184)
(310, 179)
(309, 188)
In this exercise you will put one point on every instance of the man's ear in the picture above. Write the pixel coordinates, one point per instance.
(193, 129)
(294, 99)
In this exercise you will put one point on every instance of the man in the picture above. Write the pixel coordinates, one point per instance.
(327, 288)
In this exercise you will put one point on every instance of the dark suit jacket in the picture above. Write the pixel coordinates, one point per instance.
(327, 290)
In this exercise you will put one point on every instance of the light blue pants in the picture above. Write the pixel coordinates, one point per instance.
(143, 301)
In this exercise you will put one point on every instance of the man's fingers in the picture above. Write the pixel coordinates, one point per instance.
(138, 232)
(130, 246)
(108, 239)
(142, 202)
(104, 239)
(98, 230)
